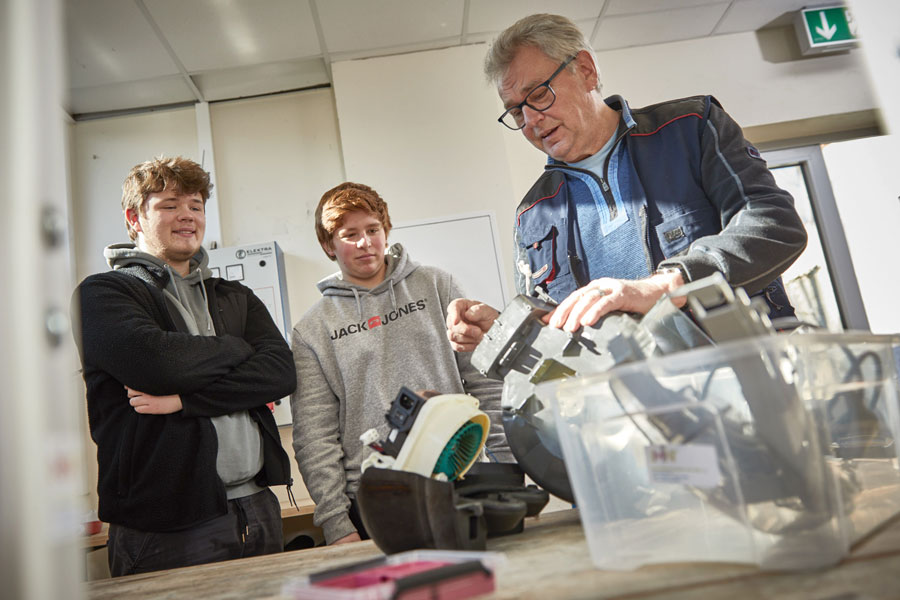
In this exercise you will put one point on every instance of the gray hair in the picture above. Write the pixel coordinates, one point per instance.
(554, 35)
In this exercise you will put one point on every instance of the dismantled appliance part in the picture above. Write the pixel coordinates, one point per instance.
(404, 511)
(441, 437)
(412, 493)
(522, 351)
(771, 446)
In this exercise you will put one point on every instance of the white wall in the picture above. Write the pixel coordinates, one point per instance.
(749, 73)
(417, 127)
(103, 151)
(880, 47)
(866, 182)
(421, 128)
(275, 156)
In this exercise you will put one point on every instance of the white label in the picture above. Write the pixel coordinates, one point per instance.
(691, 464)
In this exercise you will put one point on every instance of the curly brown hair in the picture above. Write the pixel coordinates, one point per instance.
(182, 175)
(346, 198)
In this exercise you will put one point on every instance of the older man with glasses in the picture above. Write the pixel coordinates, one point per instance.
(633, 203)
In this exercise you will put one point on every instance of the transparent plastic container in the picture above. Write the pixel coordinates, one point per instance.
(778, 451)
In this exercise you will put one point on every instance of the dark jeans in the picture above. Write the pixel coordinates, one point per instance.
(252, 527)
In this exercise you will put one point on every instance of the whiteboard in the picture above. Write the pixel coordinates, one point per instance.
(466, 246)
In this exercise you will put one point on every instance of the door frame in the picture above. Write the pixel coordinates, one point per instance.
(831, 231)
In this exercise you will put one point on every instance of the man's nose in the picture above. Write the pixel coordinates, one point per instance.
(531, 115)
(365, 241)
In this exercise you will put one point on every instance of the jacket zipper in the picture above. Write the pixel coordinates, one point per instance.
(645, 234)
(604, 189)
(602, 181)
(607, 194)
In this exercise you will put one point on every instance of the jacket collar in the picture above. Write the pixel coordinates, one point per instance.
(618, 103)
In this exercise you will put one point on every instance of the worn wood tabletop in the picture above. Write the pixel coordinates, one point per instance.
(549, 559)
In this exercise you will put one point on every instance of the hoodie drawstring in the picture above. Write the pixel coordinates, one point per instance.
(393, 298)
(209, 330)
(359, 300)
(358, 304)
(172, 279)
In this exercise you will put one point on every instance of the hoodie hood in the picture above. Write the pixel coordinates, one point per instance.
(186, 295)
(399, 267)
(123, 255)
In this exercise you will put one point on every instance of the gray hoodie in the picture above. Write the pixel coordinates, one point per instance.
(240, 455)
(353, 350)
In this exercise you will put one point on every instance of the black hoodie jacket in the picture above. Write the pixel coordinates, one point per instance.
(158, 472)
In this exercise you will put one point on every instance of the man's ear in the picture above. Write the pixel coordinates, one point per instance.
(586, 69)
(328, 249)
(133, 221)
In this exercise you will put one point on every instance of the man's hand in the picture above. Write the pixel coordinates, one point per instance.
(467, 322)
(353, 537)
(146, 404)
(586, 305)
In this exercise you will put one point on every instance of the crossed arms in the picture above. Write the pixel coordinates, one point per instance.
(125, 333)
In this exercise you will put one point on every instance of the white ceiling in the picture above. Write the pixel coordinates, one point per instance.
(126, 54)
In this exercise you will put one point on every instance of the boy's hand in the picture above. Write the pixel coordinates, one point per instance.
(147, 404)
(467, 322)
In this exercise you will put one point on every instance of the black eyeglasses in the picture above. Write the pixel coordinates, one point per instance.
(540, 99)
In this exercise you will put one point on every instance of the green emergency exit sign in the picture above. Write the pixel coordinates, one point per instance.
(825, 29)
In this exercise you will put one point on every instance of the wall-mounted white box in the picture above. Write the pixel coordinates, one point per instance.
(261, 268)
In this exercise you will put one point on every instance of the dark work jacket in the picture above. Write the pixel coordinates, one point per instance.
(158, 472)
(681, 188)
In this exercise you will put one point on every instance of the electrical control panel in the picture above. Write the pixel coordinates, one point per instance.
(261, 268)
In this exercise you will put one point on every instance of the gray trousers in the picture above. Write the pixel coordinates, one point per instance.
(252, 527)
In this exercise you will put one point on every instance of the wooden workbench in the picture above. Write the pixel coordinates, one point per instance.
(548, 560)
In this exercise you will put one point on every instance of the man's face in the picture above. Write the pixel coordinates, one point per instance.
(565, 131)
(358, 246)
(171, 227)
